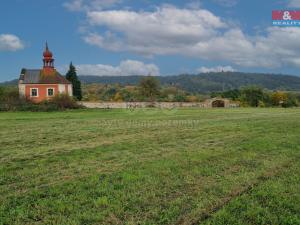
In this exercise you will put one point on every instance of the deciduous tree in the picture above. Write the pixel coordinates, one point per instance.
(279, 98)
(252, 95)
(149, 87)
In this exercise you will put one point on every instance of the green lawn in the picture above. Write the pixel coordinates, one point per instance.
(188, 166)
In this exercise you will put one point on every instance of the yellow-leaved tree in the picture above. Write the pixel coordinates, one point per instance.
(279, 98)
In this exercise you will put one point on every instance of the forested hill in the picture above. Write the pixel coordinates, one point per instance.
(10, 83)
(209, 82)
(206, 82)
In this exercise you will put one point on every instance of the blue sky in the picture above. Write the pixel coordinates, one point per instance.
(122, 37)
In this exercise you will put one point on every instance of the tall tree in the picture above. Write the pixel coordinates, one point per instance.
(73, 78)
(149, 87)
(252, 95)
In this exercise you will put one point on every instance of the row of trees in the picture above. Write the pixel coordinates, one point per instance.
(258, 97)
(148, 89)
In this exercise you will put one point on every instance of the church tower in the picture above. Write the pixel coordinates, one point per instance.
(48, 60)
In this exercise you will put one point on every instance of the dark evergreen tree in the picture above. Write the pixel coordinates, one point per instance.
(73, 78)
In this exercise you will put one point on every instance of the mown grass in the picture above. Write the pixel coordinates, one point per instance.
(188, 166)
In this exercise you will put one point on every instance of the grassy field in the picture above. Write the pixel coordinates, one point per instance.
(189, 166)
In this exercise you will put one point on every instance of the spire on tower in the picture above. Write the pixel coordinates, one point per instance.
(48, 60)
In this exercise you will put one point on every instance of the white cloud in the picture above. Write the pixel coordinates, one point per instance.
(163, 31)
(196, 33)
(216, 69)
(10, 42)
(126, 68)
(294, 3)
(86, 5)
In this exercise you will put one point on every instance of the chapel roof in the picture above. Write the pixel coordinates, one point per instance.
(40, 76)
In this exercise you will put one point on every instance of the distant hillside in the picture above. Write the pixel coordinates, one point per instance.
(204, 83)
(209, 82)
(10, 83)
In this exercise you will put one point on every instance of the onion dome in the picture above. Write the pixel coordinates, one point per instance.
(47, 53)
(48, 60)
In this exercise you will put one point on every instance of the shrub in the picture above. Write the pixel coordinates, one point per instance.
(291, 101)
(192, 98)
(232, 94)
(1, 92)
(261, 104)
(118, 97)
(180, 97)
(10, 101)
(62, 101)
(279, 98)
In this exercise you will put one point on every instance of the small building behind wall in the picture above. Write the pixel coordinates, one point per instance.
(42, 84)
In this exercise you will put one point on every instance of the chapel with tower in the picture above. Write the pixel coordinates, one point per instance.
(42, 84)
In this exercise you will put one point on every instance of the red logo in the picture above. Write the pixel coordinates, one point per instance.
(286, 15)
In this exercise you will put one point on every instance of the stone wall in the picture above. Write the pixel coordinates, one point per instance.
(163, 105)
